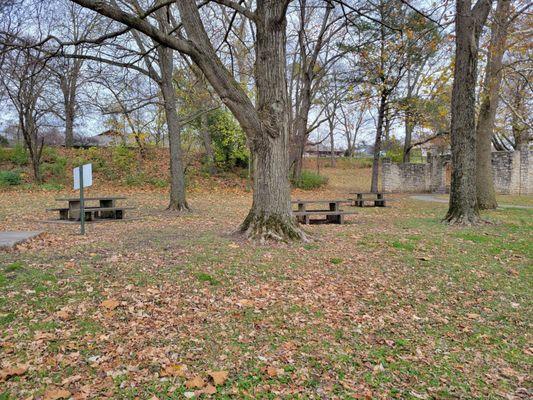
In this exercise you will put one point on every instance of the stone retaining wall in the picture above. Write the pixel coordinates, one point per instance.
(513, 174)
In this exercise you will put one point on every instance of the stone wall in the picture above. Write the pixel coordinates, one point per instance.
(513, 174)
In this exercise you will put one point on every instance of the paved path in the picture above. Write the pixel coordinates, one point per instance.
(428, 197)
(8, 240)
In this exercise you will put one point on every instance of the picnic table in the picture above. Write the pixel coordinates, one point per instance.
(375, 199)
(329, 208)
(106, 209)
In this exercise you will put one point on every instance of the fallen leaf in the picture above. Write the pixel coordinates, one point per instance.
(195, 383)
(110, 304)
(219, 377)
(472, 315)
(209, 390)
(9, 372)
(55, 394)
(63, 314)
(272, 372)
(245, 303)
(174, 370)
(189, 395)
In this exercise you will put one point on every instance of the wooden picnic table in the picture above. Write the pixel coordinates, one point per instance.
(107, 208)
(333, 213)
(376, 198)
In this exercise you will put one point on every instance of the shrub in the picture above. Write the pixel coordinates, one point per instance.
(229, 140)
(135, 179)
(51, 186)
(123, 158)
(309, 180)
(53, 165)
(5, 154)
(3, 141)
(10, 178)
(19, 155)
(94, 154)
(158, 182)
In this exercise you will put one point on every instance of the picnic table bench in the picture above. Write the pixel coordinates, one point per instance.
(107, 208)
(333, 213)
(376, 199)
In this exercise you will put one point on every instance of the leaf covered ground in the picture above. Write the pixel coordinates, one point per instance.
(393, 304)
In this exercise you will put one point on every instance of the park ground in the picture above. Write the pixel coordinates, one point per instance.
(393, 304)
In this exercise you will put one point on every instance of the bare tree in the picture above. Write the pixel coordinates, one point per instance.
(266, 124)
(315, 55)
(24, 78)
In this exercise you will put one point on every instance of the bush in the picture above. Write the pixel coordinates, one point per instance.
(19, 155)
(10, 178)
(123, 158)
(51, 186)
(309, 180)
(229, 140)
(5, 154)
(53, 165)
(135, 179)
(3, 141)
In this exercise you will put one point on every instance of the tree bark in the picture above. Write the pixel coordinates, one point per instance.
(486, 195)
(377, 143)
(178, 200)
(331, 143)
(469, 22)
(208, 144)
(270, 216)
(409, 123)
(409, 127)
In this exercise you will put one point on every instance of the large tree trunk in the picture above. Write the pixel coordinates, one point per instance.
(463, 207)
(377, 143)
(178, 199)
(270, 216)
(486, 195)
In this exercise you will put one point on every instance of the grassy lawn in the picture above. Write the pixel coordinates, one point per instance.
(393, 304)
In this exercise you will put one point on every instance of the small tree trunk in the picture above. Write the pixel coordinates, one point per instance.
(69, 125)
(208, 144)
(178, 199)
(332, 148)
(463, 201)
(297, 168)
(377, 143)
(408, 137)
(486, 195)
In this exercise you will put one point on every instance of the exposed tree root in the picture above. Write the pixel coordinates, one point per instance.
(263, 228)
(456, 217)
(488, 204)
(179, 206)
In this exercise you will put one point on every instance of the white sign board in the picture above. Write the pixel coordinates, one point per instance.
(87, 176)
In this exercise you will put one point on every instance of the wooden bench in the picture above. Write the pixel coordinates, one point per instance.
(333, 213)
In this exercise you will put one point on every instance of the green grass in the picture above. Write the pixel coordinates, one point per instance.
(203, 277)
(397, 305)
